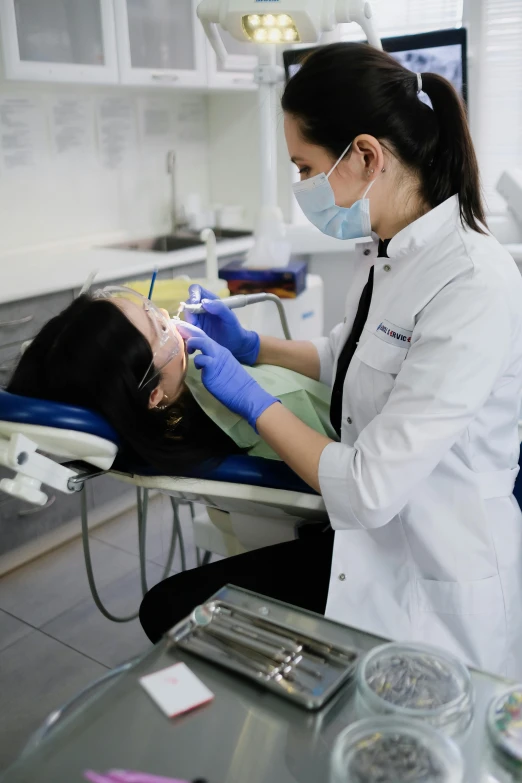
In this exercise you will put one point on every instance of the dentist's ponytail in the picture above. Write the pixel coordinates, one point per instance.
(346, 89)
(453, 167)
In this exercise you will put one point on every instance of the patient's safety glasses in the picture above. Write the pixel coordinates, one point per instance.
(165, 339)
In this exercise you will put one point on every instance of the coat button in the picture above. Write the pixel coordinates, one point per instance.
(367, 251)
(342, 577)
(387, 267)
(348, 420)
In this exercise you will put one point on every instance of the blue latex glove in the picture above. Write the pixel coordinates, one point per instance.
(225, 378)
(222, 325)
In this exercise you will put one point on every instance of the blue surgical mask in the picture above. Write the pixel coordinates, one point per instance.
(317, 200)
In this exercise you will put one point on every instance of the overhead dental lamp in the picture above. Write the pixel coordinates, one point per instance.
(268, 23)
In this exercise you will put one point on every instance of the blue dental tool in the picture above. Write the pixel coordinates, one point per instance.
(152, 282)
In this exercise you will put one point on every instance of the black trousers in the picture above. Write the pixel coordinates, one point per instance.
(297, 572)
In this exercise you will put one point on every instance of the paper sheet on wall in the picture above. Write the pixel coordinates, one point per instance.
(24, 142)
(72, 128)
(191, 119)
(117, 132)
(155, 121)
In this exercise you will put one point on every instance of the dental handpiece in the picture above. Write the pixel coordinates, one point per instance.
(232, 302)
(242, 300)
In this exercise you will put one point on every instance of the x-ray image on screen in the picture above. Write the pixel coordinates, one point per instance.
(441, 51)
(444, 60)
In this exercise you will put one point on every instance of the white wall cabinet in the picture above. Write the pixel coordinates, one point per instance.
(238, 71)
(160, 43)
(59, 40)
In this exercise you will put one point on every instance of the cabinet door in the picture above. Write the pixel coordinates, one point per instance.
(238, 71)
(59, 40)
(160, 42)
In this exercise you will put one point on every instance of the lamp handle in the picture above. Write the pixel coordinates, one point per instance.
(212, 33)
(360, 12)
(370, 30)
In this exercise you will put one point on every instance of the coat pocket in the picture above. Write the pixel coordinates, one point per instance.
(380, 355)
(466, 618)
(481, 596)
(375, 376)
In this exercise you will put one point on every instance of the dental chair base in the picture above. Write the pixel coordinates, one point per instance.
(244, 516)
(229, 533)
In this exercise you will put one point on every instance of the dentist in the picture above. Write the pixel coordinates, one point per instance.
(425, 369)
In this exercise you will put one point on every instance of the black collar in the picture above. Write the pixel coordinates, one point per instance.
(383, 248)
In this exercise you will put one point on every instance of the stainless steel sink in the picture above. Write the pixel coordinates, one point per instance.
(230, 233)
(168, 242)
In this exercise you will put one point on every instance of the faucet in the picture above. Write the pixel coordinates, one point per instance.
(176, 213)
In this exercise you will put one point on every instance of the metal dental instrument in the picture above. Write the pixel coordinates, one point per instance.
(89, 281)
(242, 300)
(298, 656)
(285, 677)
(257, 633)
(337, 654)
(275, 656)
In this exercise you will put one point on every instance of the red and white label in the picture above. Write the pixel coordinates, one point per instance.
(176, 689)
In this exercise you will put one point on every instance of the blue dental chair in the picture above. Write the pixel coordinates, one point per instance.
(251, 502)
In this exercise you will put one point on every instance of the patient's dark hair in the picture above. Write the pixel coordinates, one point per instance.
(92, 356)
(345, 89)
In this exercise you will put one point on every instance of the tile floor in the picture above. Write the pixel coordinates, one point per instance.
(53, 640)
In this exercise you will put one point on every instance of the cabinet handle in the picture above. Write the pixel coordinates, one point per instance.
(35, 509)
(164, 77)
(17, 322)
(242, 80)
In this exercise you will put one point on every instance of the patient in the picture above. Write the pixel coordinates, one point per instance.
(115, 353)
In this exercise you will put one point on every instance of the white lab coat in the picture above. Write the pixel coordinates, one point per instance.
(428, 542)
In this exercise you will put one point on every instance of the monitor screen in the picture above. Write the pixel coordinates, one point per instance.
(443, 52)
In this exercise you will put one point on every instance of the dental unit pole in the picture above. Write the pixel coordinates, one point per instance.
(242, 300)
(212, 270)
(271, 248)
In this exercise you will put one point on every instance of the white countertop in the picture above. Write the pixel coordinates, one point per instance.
(36, 272)
(39, 272)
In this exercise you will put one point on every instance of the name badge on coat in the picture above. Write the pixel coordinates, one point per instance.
(393, 334)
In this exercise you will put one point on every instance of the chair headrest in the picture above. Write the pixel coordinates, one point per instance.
(27, 410)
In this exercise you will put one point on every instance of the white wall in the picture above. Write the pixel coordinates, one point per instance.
(68, 201)
(79, 201)
(234, 154)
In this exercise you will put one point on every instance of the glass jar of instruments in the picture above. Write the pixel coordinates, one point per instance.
(505, 733)
(417, 682)
(388, 749)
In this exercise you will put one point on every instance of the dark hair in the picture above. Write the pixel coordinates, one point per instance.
(92, 356)
(345, 89)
